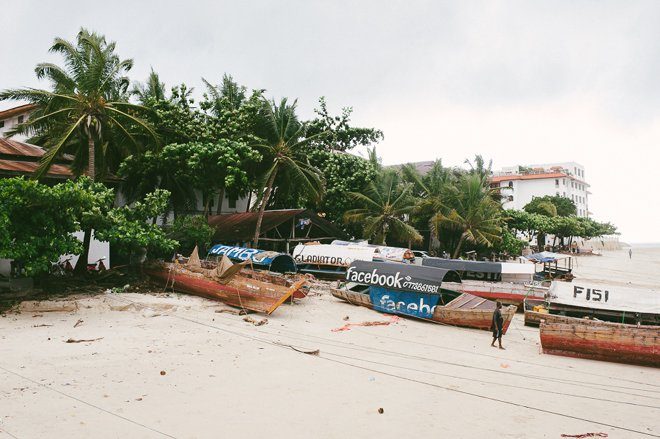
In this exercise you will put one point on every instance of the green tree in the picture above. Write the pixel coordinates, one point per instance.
(283, 140)
(563, 206)
(190, 231)
(151, 91)
(473, 211)
(384, 205)
(87, 113)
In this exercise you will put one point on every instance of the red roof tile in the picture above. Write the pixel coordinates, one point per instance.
(16, 167)
(499, 178)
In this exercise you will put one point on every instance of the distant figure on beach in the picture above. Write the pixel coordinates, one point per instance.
(496, 325)
(630, 253)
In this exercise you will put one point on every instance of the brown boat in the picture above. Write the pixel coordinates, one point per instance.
(230, 283)
(465, 310)
(617, 342)
(415, 291)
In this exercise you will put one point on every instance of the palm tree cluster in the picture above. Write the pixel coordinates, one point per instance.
(455, 206)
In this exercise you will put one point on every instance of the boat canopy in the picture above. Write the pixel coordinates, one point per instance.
(589, 295)
(383, 252)
(334, 255)
(486, 271)
(400, 277)
(264, 259)
(547, 257)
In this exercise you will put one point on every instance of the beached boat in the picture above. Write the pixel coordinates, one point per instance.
(419, 292)
(230, 283)
(383, 253)
(617, 342)
(595, 301)
(507, 282)
(329, 261)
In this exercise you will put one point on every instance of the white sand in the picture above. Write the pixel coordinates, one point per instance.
(226, 378)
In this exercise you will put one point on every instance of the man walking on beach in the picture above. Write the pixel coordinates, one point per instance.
(496, 325)
(630, 253)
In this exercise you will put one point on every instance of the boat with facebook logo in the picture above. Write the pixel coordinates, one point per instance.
(418, 292)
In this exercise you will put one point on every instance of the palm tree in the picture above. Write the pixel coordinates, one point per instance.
(87, 113)
(283, 141)
(386, 202)
(151, 91)
(473, 211)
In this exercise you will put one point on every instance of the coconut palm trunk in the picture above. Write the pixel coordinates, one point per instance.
(262, 208)
(457, 252)
(83, 259)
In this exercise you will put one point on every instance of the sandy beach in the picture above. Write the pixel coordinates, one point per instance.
(168, 365)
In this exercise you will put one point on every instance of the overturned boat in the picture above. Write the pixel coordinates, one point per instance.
(233, 284)
(419, 292)
(330, 261)
(382, 252)
(260, 259)
(507, 282)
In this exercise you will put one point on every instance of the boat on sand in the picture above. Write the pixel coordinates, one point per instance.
(415, 291)
(230, 283)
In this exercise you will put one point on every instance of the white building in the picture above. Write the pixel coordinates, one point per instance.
(520, 184)
(12, 117)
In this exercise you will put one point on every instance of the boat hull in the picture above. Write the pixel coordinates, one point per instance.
(462, 314)
(239, 291)
(508, 293)
(603, 341)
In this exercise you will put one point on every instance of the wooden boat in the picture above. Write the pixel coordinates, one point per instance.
(415, 291)
(227, 282)
(507, 282)
(265, 265)
(595, 301)
(328, 261)
(605, 341)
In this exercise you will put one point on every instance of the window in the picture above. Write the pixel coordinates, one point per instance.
(572, 197)
(556, 182)
(510, 197)
(510, 184)
(563, 182)
(557, 193)
(2, 123)
(572, 184)
(20, 119)
(564, 193)
(232, 203)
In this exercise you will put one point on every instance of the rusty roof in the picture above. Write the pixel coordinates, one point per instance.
(16, 148)
(5, 114)
(234, 227)
(16, 167)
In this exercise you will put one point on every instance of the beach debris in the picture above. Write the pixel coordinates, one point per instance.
(236, 312)
(255, 322)
(315, 352)
(347, 326)
(73, 340)
(162, 373)
(148, 312)
(78, 323)
(39, 326)
(504, 365)
(584, 435)
(381, 410)
(346, 318)
(34, 306)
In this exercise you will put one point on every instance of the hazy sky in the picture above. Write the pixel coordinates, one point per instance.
(518, 82)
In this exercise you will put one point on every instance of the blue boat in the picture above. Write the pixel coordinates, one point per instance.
(260, 259)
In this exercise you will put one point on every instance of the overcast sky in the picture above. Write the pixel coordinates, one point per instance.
(519, 82)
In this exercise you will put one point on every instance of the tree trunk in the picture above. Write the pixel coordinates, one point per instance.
(262, 208)
(457, 252)
(221, 198)
(249, 201)
(81, 265)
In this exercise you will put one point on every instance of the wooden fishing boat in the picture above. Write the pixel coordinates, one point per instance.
(227, 282)
(595, 301)
(328, 261)
(415, 291)
(605, 341)
(264, 265)
(508, 282)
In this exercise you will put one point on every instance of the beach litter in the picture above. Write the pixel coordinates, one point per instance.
(347, 326)
(73, 340)
(585, 435)
(255, 322)
(78, 323)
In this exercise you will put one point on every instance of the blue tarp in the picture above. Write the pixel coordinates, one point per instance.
(263, 259)
(547, 257)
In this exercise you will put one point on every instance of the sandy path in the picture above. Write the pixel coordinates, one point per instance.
(228, 378)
